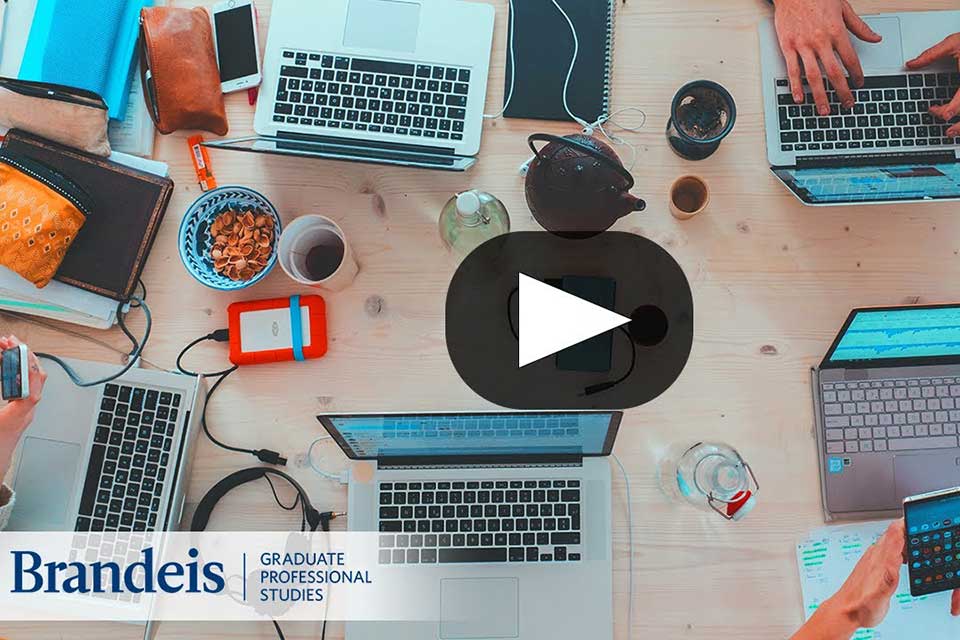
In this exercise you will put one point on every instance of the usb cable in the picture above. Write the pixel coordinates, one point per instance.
(267, 456)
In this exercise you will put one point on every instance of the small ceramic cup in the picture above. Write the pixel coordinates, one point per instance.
(688, 197)
(314, 251)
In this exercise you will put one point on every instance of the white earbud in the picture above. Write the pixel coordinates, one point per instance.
(525, 167)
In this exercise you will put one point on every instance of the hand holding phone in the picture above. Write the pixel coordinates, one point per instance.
(932, 538)
(236, 43)
(15, 373)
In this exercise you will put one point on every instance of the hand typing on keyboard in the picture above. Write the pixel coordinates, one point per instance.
(949, 47)
(814, 32)
(864, 599)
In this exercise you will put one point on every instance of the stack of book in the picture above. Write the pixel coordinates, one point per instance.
(104, 264)
(89, 44)
(134, 132)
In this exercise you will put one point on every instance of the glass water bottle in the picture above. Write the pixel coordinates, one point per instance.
(711, 476)
(471, 218)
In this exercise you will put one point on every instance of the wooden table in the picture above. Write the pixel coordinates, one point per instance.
(772, 282)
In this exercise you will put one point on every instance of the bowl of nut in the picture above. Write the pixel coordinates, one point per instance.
(228, 238)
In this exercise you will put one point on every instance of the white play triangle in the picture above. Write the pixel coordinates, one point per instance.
(552, 320)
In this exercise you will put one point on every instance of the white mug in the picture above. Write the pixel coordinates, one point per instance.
(314, 251)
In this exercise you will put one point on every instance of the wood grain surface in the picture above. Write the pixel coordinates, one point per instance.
(772, 282)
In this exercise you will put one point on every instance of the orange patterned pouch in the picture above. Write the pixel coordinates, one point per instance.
(41, 212)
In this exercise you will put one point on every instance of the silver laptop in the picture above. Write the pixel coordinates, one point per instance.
(503, 506)
(888, 148)
(887, 407)
(399, 82)
(108, 458)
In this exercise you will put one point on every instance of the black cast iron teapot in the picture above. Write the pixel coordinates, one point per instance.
(577, 186)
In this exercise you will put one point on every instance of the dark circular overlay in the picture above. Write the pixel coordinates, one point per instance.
(482, 320)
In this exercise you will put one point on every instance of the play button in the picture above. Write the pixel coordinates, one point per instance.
(552, 320)
(536, 321)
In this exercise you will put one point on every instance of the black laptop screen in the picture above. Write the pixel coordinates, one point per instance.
(899, 334)
(474, 434)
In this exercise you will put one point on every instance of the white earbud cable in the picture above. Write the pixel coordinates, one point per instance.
(336, 477)
(513, 69)
(588, 128)
(626, 482)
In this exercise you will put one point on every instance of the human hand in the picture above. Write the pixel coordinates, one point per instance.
(864, 598)
(814, 32)
(949, 47)
(16, 415)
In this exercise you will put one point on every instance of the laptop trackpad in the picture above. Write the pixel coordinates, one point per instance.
(916, 474)
(366, 20)
(479, 608)
(886, 54)
(46, 477)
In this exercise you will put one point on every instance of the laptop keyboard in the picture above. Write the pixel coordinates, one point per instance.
(891, 415)
(480, 521)
(129, 459)
(325, 91)
(890, 112)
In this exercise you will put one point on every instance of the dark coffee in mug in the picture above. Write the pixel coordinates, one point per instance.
(324, 259)
(689, 195)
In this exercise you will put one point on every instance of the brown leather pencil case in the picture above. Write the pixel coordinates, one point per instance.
(178, 65)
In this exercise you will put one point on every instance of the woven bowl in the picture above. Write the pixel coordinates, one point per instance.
(195, 241)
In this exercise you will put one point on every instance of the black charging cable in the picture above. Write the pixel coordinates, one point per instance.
(132, 357)
(609, 384)
(267, 456)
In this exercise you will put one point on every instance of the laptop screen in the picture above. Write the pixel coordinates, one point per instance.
(921, 335)
(836, 185)
(474, 434)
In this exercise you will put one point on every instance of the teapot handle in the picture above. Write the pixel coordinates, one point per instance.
(547, 137)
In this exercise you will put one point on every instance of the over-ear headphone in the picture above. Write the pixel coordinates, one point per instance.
(311, 516)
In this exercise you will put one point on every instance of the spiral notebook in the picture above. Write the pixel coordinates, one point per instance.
(543, 49)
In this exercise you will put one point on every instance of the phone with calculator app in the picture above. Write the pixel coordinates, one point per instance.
(932, 523)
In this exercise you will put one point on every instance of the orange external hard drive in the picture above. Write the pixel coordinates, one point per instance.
(277, 330)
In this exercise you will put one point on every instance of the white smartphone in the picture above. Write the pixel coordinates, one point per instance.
(237, 45)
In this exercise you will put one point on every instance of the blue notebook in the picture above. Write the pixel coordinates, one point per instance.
(89, 44)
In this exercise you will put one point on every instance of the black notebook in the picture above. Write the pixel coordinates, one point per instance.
(543, 49)
(111, 249)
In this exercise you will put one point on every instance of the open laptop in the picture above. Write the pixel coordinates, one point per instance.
(888, 148)
(887, 407)
(511, 504)
(107, 458)
(399, 82)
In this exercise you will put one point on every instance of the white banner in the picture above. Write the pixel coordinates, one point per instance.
(212, 576)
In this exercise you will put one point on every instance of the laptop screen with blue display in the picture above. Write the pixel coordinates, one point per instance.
(901, 333)
(474, 434)
(838, 185)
